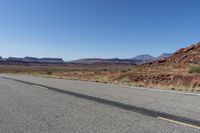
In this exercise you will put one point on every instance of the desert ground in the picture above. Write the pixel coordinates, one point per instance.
(178, 72)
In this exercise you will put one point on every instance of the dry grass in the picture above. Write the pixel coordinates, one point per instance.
(194, 69)
(173, 77)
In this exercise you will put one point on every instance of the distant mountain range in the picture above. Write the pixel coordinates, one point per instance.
(140, 59)
(99, 60)
(164, 55)
(32, 60)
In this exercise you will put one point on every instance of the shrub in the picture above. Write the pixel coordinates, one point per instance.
(194, 69)
(49, 73)
(105, 70)
(123, 71)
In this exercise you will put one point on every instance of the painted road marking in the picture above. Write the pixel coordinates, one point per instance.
(179, 123)
(41, 87)
(145, 111)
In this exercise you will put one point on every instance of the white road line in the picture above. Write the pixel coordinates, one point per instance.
(44, 88)
(141, 88)
(157, 90)
(168, 91)
(179, 123)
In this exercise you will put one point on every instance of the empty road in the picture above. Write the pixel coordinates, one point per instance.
(44, 105)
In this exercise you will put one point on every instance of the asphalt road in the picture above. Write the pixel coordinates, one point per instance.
(43, 105)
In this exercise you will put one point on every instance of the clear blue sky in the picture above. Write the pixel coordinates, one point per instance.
(74, 29)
